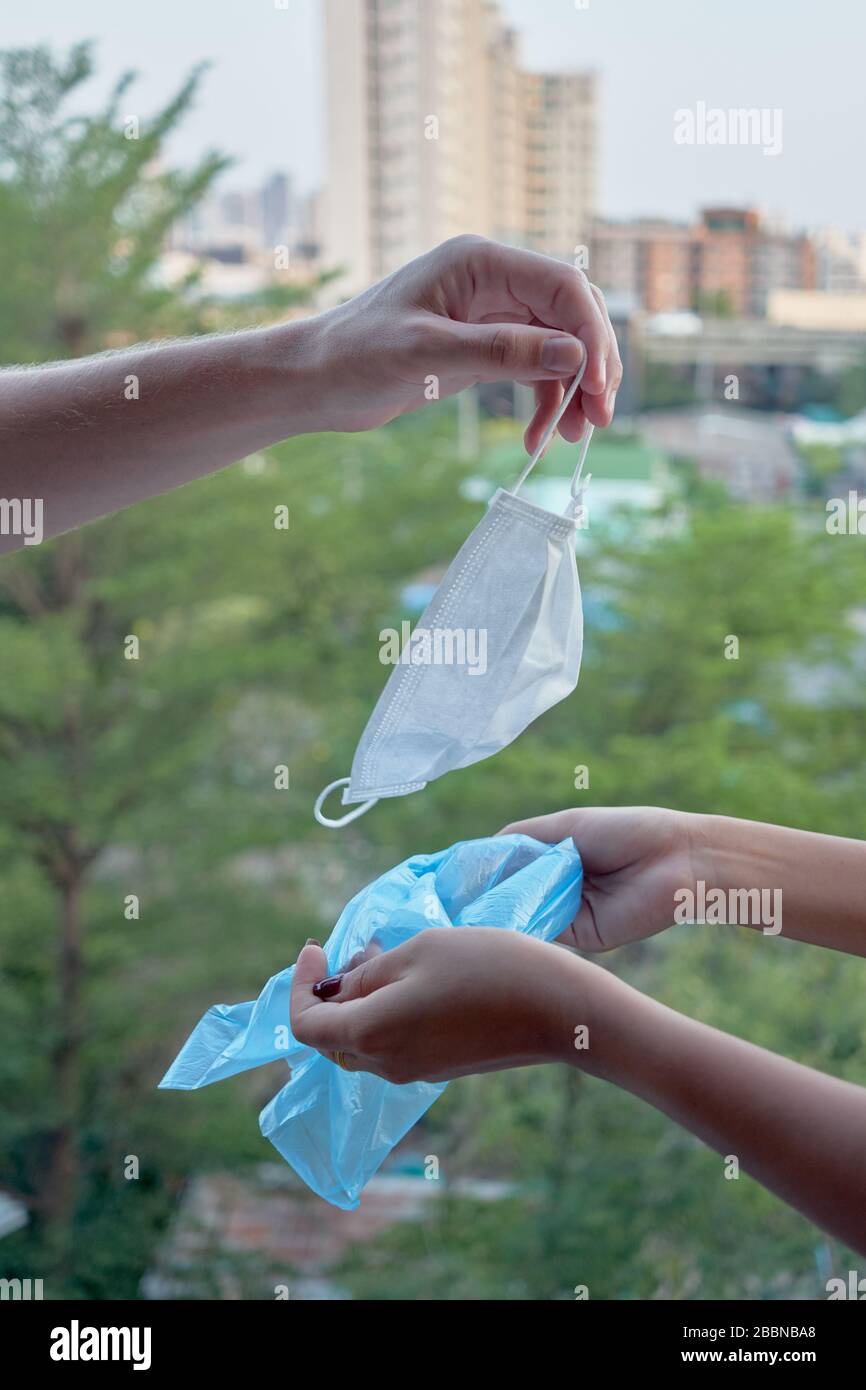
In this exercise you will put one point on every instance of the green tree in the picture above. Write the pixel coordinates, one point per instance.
(715, 304)
(85, 210)
(84, 223)
(102, 752)
(850, 393)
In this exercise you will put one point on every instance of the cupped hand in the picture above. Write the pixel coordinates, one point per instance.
(635, 859)
(470, 310)
(449, 1002)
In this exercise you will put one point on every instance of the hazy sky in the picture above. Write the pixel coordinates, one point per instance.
(262, 101)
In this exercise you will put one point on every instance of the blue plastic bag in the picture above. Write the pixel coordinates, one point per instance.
(335, 1127)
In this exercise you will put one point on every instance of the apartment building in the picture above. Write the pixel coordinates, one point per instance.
(560, 163)
(730, 261)
(649, 260)
(840, 261)
(434, 129)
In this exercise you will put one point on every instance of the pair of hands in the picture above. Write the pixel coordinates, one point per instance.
(448, 1003)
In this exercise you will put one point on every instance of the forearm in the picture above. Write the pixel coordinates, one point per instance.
(800, 1133)
(89, 437)
(819, 881)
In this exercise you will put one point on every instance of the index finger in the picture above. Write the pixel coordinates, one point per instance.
(558, 295)
(549, 829)
(313, 1022)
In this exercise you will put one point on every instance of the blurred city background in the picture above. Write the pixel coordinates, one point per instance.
(148, 863)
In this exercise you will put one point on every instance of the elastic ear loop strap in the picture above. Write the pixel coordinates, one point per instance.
(350, 816)
(551, 430)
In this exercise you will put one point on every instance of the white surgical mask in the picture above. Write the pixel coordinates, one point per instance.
(512, 594)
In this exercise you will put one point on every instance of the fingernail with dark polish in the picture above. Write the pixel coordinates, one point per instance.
(312, 941)
(326, 989)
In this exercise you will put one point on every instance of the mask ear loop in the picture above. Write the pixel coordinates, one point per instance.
(551, 430)
(578, 487)
(344, 820)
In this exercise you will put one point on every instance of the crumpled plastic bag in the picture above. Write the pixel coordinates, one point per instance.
(336, 1127)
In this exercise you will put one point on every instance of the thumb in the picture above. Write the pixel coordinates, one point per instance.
(509, 351)
(315, 1020)
(369, 976)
